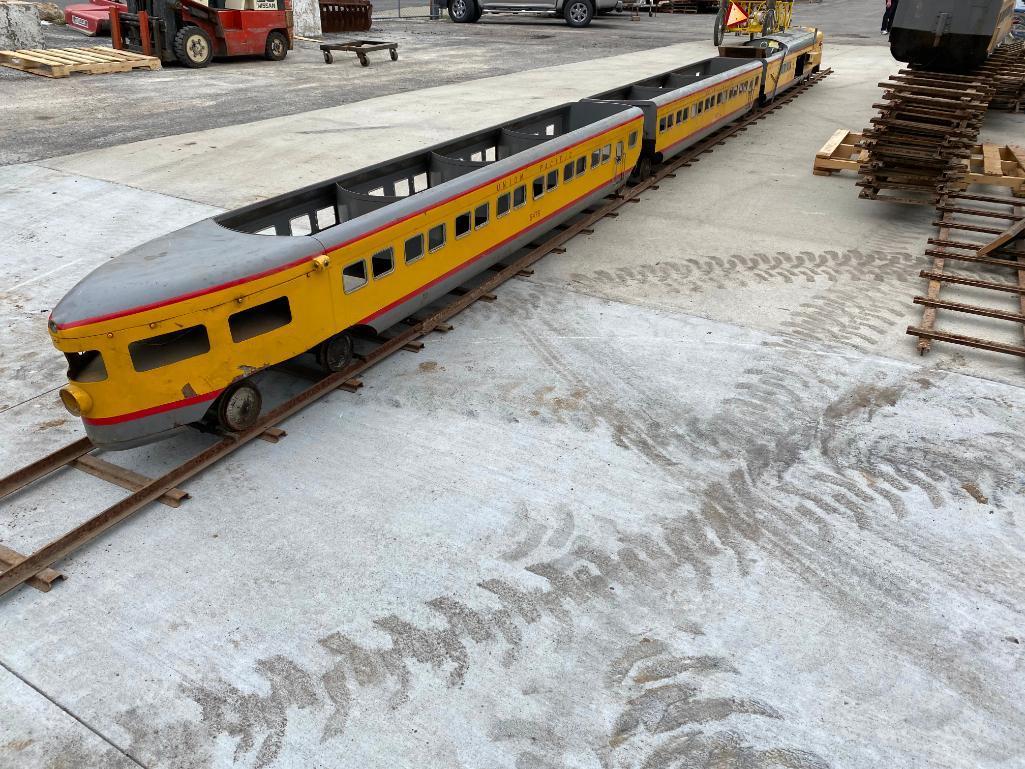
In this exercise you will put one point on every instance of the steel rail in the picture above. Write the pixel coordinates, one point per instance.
(27, 567)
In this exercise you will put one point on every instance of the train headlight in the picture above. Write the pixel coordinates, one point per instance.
(76, 400)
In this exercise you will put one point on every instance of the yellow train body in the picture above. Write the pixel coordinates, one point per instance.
(314, 288)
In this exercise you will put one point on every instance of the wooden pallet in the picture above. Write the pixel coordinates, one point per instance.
(61, 62)
(988, 163)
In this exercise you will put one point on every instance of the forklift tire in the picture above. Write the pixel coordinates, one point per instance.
(277, 46)
(192, 47)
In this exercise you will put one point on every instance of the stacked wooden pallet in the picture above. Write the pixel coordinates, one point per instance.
(922, 138)
(61, 62)
(988, 164)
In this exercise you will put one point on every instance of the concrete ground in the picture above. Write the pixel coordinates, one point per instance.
(687, 497)
(44, 118)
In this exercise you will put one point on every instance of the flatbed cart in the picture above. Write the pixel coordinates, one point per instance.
(361, 48)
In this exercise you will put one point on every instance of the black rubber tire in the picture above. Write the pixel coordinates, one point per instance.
(463, 11)
(238, 407)
(189, 45)
(336, 353)
(394, 54)
(719, 30)
(477, 13)
(276, 48)
(578, 13)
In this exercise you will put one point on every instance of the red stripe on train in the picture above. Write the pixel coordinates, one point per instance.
(296, 263)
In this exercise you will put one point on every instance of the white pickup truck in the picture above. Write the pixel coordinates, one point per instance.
(577, 13)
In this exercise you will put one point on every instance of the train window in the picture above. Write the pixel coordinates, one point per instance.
(633, 139)
(165, 349)
(581, 165)
(718, 98)
(619, 151)
(86, 366)
(354, 276)
(686, 112)
(326, 217)
(519, 196)
(503, 204)
(606, 153)
(462, 224)
(383, 262)
(538, 187)
(414, 248)
(679, 117)
(595, 158)
(436, 238)
(261, 319)
(481, 214)
(567, 171)
(300, 225)
(553, 180)
(661, 124)
(669, 120)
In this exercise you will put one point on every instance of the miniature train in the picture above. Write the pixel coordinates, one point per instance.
(171, 333)
(949, 35)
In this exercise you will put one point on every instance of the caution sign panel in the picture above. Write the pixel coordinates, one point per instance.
(735, 15)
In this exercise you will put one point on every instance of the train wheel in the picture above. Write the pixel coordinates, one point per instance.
(192, 47)
(335, 354)
(642, 170)
(578, 13)
(239, 406)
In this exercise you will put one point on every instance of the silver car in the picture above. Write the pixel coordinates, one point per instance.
(577, 13)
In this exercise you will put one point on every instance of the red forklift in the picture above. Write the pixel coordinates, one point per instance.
(193, 32)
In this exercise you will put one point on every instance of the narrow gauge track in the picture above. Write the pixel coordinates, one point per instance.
(34, 568)
(982, 233)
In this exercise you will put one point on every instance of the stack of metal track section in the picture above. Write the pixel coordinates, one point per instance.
(1007, 69)
(920, 143)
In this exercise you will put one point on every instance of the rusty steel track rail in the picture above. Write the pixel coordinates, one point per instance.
(997, 248)
(27, 568)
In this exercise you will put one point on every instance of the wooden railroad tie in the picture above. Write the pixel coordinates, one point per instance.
(42, 581)
(61, 62)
